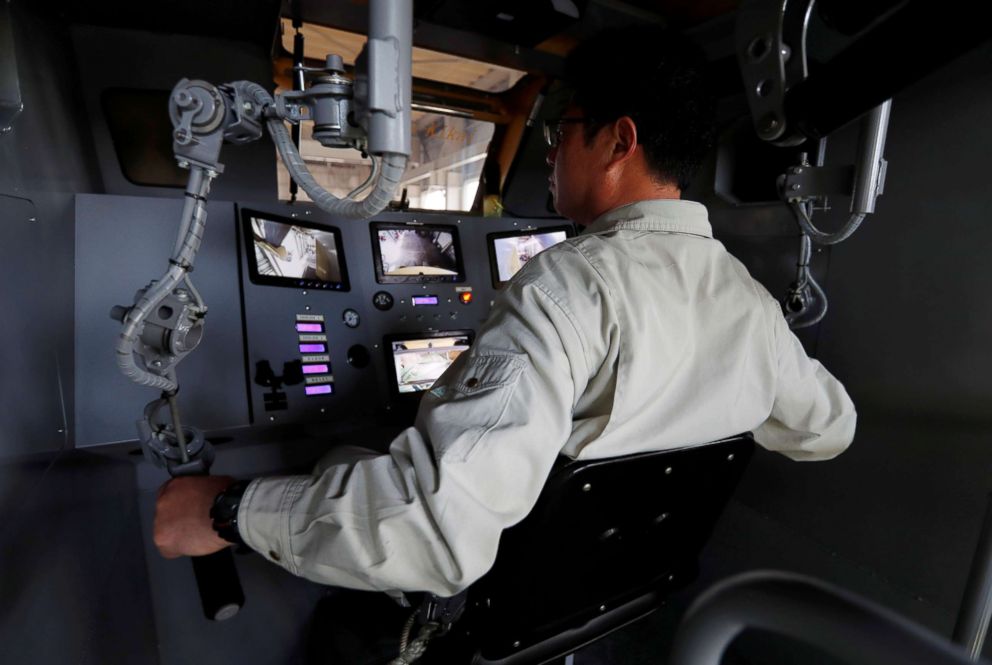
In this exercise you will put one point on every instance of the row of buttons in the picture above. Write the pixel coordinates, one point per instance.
(383, 300)
(312, 340)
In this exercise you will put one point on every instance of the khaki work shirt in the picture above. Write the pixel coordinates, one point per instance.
(641, 334)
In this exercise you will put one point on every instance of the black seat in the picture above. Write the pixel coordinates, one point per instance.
(606, 541)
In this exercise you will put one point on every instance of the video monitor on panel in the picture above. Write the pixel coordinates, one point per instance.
(509, 251)
(288, 252)
(413, 254)
(417, 360)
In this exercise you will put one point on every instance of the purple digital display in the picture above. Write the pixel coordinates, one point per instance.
(310, 327)
(323, 389)
(424, 300)
(316, 369)
(313, 348)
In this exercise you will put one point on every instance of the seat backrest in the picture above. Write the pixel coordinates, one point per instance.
(602, 533)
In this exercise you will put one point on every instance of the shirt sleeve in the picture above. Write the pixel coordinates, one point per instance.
(427, 516)
(812, 417)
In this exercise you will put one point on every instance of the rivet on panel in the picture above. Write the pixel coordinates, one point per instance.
(587, 487)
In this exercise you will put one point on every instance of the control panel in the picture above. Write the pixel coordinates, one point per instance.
(310, 318)
(359, 318)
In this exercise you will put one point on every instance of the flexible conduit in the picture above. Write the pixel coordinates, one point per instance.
(391, 171)
(187, 244)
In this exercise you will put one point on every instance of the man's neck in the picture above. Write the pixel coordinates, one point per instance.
(632, 194)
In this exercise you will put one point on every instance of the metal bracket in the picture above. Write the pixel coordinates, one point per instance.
(245, 125)
(770, 41)
(160, 444)
(171, 331)
(801, 183)
(442, 611)
(198, 111)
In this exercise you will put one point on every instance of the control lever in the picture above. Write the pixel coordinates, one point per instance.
(183, 451)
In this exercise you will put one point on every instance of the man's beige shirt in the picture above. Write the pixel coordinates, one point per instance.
(641, 334)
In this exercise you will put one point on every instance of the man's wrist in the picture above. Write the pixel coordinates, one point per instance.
(224, 512)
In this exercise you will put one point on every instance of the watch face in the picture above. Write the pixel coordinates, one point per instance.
(351, 318)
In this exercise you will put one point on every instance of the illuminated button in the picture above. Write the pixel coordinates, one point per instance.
(316, 369)
(424, 300)
(465, 297)
(310, 327)
(313, 348)
(324, 389)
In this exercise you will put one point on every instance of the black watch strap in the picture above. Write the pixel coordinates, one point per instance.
(224, 512)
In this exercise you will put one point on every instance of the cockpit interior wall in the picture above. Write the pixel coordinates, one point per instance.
(895, 518)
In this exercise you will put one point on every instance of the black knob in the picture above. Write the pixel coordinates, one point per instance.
(119, 312)
(292, 372)
(264, 376)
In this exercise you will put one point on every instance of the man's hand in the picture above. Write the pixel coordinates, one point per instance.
(182, 516)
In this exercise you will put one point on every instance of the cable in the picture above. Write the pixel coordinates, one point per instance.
(372, 175)
(391, 172)
(818, 236)
(804, 278)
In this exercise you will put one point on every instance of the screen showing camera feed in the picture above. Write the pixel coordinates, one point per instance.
(419, 362)
(413, 252)
(514, 252)
(295, 252)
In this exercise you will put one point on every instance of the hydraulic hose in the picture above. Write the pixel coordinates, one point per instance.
(392, 168)
(822, 297)
(818, 236)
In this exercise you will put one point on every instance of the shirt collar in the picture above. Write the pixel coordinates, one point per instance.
(671, 215)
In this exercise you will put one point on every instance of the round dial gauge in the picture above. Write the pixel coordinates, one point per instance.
(382, 300)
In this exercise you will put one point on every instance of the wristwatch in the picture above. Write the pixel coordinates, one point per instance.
(224, 512)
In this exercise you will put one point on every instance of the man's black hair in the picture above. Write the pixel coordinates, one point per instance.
(656, 76)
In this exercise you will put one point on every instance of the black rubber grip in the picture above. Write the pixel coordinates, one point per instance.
(220, 587)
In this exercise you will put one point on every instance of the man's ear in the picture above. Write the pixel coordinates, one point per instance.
(624, 136)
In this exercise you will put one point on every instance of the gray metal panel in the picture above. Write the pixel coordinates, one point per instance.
(121, 244)
(33, 417)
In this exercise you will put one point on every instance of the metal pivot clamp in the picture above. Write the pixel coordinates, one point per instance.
(329, 102)
(171, 330)
(185, 454)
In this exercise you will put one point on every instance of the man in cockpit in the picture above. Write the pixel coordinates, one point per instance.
(640, 334)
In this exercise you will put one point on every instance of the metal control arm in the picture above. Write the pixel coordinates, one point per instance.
(165, 323)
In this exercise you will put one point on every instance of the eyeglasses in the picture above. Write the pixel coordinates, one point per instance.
(553, 129)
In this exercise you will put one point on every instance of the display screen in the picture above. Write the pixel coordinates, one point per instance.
(509, 252)
(286, 252)
(418, 361)
(413, 254)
